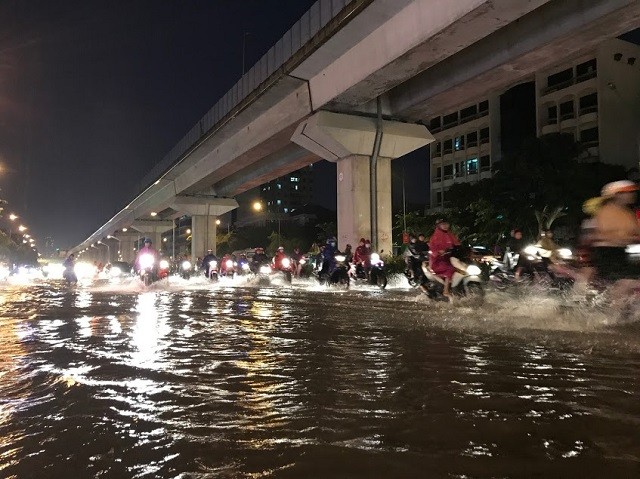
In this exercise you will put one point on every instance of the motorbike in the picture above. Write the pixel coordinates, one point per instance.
(466, 281)
(376, 275)
(186, 269)
(555, 274)
(243, 267)
(338, 276)
(147, 271)
(213, 270)
(228, 268)
(286, 268)
(414, 273)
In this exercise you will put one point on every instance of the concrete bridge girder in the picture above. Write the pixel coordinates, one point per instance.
(349, 141)
(153, 229)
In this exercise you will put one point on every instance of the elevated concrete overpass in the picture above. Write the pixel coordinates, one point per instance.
(351, 82)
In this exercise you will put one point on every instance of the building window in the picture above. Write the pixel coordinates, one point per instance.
(435, 124)
(552, 113)
(438, 176)
(439, 198)
(450, 120)
(448, 146)
(448, 172)
(589, 104)
(458, 143)
(483, 108)
(468, 114)
(286, 210)
(484, 135)
(586, 70)
(561, 79)
(295, 179)
(438, 149)
(472, 166)
(279, 202)
(472, 139)
(295, 187)
(459, 169)
(566, 110)
(485, 163)
(590, 136)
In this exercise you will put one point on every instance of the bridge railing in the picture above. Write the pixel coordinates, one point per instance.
(299, 35)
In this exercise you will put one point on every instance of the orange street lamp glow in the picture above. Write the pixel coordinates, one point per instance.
(257, 206)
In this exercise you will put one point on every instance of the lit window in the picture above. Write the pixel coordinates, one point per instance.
(295, 187)
(472, 165)
(279, 202)
(294, 179)
(286, 210)
(279, 186)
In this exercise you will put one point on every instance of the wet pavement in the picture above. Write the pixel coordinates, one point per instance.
(191, 380)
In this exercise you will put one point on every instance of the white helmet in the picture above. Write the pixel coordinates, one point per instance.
(615, 187)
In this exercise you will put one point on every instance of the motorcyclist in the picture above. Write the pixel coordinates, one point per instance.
(348, 253)
(419, 250)
(147, 249)
(296, 258)
(278, 257)
(259, 258)
(224, 270)
(440, 245)
(328, 256)
(206, 262)
(614, 227)
(69, 273)
(362, 256)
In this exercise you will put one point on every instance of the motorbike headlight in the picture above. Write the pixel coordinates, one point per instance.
(375, 258)
(245, 266)
(265, 269)
(229, 264)
(473, 270)
(565, 253)
(303, 261)
(340, 258)
(531, 250)
(186, 265)
(213, 264)
(115, 272)
(633, 249)
(286, 262)
(146, 261)
(164, 264)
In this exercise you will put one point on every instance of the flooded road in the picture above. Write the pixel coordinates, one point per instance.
(208, 382)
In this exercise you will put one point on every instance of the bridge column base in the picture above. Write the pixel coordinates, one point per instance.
(203, 235)
(153, 229)
(354, 201)
(126, 246)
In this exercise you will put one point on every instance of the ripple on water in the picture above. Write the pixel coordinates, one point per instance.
(286, 382)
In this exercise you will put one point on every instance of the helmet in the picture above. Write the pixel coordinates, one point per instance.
(147, 240)
(441, 220)
(280, 248)
(615, 187)
(420, 234)
(362, 240)
(332, 241)
(209, 250)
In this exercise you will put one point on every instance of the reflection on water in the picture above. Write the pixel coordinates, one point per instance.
(266, 382)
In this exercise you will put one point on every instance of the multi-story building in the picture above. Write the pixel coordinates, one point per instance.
(467, 144)
(596, 98)
(288, 192)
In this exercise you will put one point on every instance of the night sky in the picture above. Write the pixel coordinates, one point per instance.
(94, 93)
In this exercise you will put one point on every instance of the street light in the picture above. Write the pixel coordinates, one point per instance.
(22, 228)
(257, 206)
(13, 217)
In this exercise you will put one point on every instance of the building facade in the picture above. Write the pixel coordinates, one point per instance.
(288, 192)
(467, 144)
(596, 98)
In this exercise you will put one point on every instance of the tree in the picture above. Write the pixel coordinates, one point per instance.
(541, 183)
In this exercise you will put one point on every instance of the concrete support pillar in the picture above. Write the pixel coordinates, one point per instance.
(203, 235)
(349, 141)
(126, 246)
(354, 201)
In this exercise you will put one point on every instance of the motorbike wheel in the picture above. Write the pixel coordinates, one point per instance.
(214, 277)
(475, 291)
(381, 279)
(147, 279)
(288, 277)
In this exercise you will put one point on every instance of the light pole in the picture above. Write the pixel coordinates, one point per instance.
(119, 252)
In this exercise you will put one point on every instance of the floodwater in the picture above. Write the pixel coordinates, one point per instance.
(233, 381)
